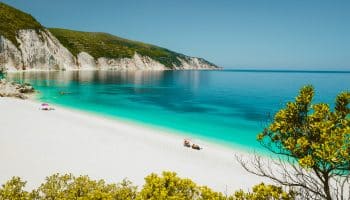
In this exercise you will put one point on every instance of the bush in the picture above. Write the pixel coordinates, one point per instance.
(265, 192)
(167, 186)
(82, 187)
(13, 190)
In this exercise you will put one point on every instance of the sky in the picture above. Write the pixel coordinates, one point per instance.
(240, 34)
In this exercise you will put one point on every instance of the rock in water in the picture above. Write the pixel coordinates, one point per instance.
(11, 89)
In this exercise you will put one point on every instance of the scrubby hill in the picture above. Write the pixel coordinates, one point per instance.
(27, 45)
(12, 20)
(110, 46)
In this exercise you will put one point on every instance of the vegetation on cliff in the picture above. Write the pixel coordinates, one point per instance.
(96, 44)
(110, 46)
(12, 20)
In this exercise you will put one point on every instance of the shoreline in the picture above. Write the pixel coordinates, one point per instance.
(71, 141)
(121, 70)
(35, 97)
(164, 130)
(173, 132)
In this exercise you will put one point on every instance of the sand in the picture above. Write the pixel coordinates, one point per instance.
(35, 144)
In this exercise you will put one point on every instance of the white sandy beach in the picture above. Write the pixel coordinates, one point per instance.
(35, 144)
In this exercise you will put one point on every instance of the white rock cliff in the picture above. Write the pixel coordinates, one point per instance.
(40, 50)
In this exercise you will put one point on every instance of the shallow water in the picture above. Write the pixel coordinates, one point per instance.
(227, 107)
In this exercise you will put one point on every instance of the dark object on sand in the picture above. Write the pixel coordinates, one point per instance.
(187, 143)
(196, 146)
(46, 107)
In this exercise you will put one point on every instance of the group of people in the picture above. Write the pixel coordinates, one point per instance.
(189, 144)
(46, 107)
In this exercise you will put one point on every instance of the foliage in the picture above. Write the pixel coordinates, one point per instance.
(12, 20)
(14, 190)
(166, 186)
(169, 186)
(82, 187)
(265, 192)
(110, 46)
(208, 194)
(313, 134)
(315, 142)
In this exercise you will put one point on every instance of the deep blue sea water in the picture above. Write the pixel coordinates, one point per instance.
(229, 107)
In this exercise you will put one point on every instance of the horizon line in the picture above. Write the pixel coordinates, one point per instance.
(287, 70)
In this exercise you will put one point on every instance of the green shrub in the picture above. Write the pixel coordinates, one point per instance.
(167, 186)
(14, 190)
(82, 187)
(265, 192)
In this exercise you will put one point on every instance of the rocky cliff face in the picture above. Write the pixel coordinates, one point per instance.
(37, 50)
(10, 56)
(137, 62)
(40, 50)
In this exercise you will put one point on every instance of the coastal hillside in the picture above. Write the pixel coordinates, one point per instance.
(27, 45)
(107, 45)
(13, 20)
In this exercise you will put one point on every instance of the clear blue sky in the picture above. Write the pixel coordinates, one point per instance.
(283, 34)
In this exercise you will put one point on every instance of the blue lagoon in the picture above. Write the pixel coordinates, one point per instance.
(228, 107)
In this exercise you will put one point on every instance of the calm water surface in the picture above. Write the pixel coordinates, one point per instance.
(228, 107)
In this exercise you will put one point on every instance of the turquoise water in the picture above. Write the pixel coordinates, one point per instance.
(229, 107)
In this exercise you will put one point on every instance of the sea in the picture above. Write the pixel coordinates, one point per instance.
(226, 107)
